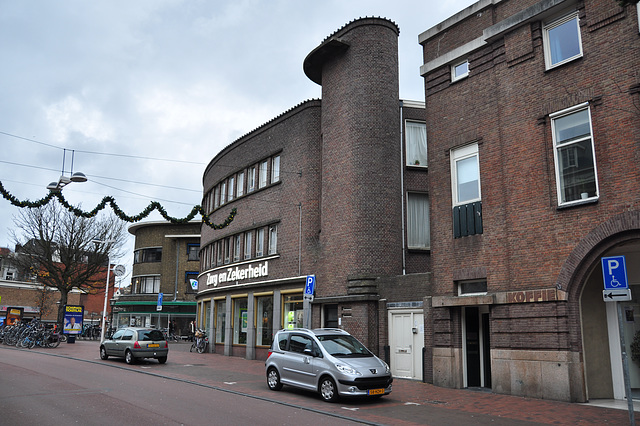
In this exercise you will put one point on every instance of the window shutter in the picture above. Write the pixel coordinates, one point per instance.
(467, 219)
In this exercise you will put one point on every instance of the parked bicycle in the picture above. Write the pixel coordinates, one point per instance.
(201, 342)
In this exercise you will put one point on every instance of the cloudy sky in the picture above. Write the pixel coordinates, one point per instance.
(142, 94)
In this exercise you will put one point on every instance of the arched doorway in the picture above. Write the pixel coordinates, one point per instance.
(598, 319)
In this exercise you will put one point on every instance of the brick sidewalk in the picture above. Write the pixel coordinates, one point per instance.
(411, 402)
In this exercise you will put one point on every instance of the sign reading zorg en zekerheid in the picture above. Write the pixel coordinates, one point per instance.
(238, 273)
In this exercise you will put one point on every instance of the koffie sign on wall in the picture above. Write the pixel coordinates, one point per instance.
(238, 274)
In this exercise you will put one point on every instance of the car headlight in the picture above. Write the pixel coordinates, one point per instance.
(345, 369)
(387, 370)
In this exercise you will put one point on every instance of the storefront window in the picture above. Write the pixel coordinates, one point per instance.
(221, 314)
(264, 320)
(293, 313)
(240, 321)
(207, 314)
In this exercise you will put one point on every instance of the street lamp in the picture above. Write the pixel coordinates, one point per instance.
(106, 288)
(64, 180)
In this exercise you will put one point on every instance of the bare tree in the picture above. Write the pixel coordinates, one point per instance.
(44, 299)
(60, 247)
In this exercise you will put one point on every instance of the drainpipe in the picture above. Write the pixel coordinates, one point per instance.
(404, 257)
(175, 289)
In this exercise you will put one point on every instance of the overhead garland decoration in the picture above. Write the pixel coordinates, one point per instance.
(154, 205)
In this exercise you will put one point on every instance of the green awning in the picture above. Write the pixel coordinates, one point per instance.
(149, 302)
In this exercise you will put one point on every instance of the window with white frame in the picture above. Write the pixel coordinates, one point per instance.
(247, 244)
(460, 70)
(275, 169)
(223, 192)
(472, 288)
(263, 175)
(146, 285)
(227, 250)
(465, 175)
(562, 41)
(259, 242)
(236, 248)
(575, 161)
(240, 184)
(251, 179)
(216, 197)
(273, 239)
(416, 143)
(220, 252)
(232, 185)
(418, 235)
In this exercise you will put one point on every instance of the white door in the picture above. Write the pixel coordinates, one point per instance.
(406, 342)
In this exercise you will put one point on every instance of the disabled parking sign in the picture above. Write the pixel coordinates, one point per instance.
(614, 273)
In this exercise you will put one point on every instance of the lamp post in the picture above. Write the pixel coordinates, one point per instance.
(106, 288)
(64, 180)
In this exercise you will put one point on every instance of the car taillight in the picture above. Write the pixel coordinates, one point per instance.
(269, 354)
(166, 345)
(136, 345)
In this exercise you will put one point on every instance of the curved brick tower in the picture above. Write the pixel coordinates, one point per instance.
(361, 210)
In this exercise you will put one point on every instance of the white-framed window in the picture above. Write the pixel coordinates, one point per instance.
(465, 175)
(418, 234)
(223, 192)
(148, 284)
(472, 288)
(416, 143)
(259, 242)
(562, 41)
(251, 179)
(232, 185)
(216, 197)
(460, 70)
(275, 169)
(237, 247)
(240, 184)
(247, 244)
(575, 161)
(263, 174)
(220, 252)
(273, 239)
(227, 250)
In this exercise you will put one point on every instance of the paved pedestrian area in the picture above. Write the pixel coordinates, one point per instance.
(411, 402)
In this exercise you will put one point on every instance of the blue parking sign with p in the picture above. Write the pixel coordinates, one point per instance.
(310, 285)
(614, 273)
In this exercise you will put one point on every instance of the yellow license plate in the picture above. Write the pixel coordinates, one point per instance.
(376, 391)
(153, 345)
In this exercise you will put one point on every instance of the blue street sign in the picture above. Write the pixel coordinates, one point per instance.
(159, 307)
(614, 273)
(311, 285)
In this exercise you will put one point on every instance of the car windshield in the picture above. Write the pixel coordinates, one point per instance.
(148, 335)
(344, 346)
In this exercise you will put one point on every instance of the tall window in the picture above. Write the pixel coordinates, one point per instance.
(259, 242)
(232, 185)
(264, 320)
(247, 244)
(465, 173)
(292, 311)
(227, 250)
(240, 321)
(193, 251)
(416, 141)
(275, 169)
(418, 235)
(221, 316)
(236, 248)
(251, 179)
(263, 175)
(223, 192)
(574, 154)
(240, 184)
(220, 252)
(562, 42)
(273, 239)
(216, 197)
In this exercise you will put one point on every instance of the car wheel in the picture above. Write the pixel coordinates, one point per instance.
(273, 379)
(328, 389)
(103, 353)
(128, 357)
(162, 359)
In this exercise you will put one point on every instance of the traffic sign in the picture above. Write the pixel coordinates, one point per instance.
(614, 273)
(159, 306)
(310, 286)
(616, 295)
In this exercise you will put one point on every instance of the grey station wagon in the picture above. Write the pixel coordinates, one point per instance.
(328, 361)
(134, 343)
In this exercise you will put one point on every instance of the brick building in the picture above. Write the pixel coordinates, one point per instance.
(335, 188)
(533, 115)
(165, 261)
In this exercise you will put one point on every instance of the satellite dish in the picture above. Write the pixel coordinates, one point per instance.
(119, 270)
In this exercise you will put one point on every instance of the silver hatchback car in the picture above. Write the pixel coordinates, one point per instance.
(329, 361)
(134, 343)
